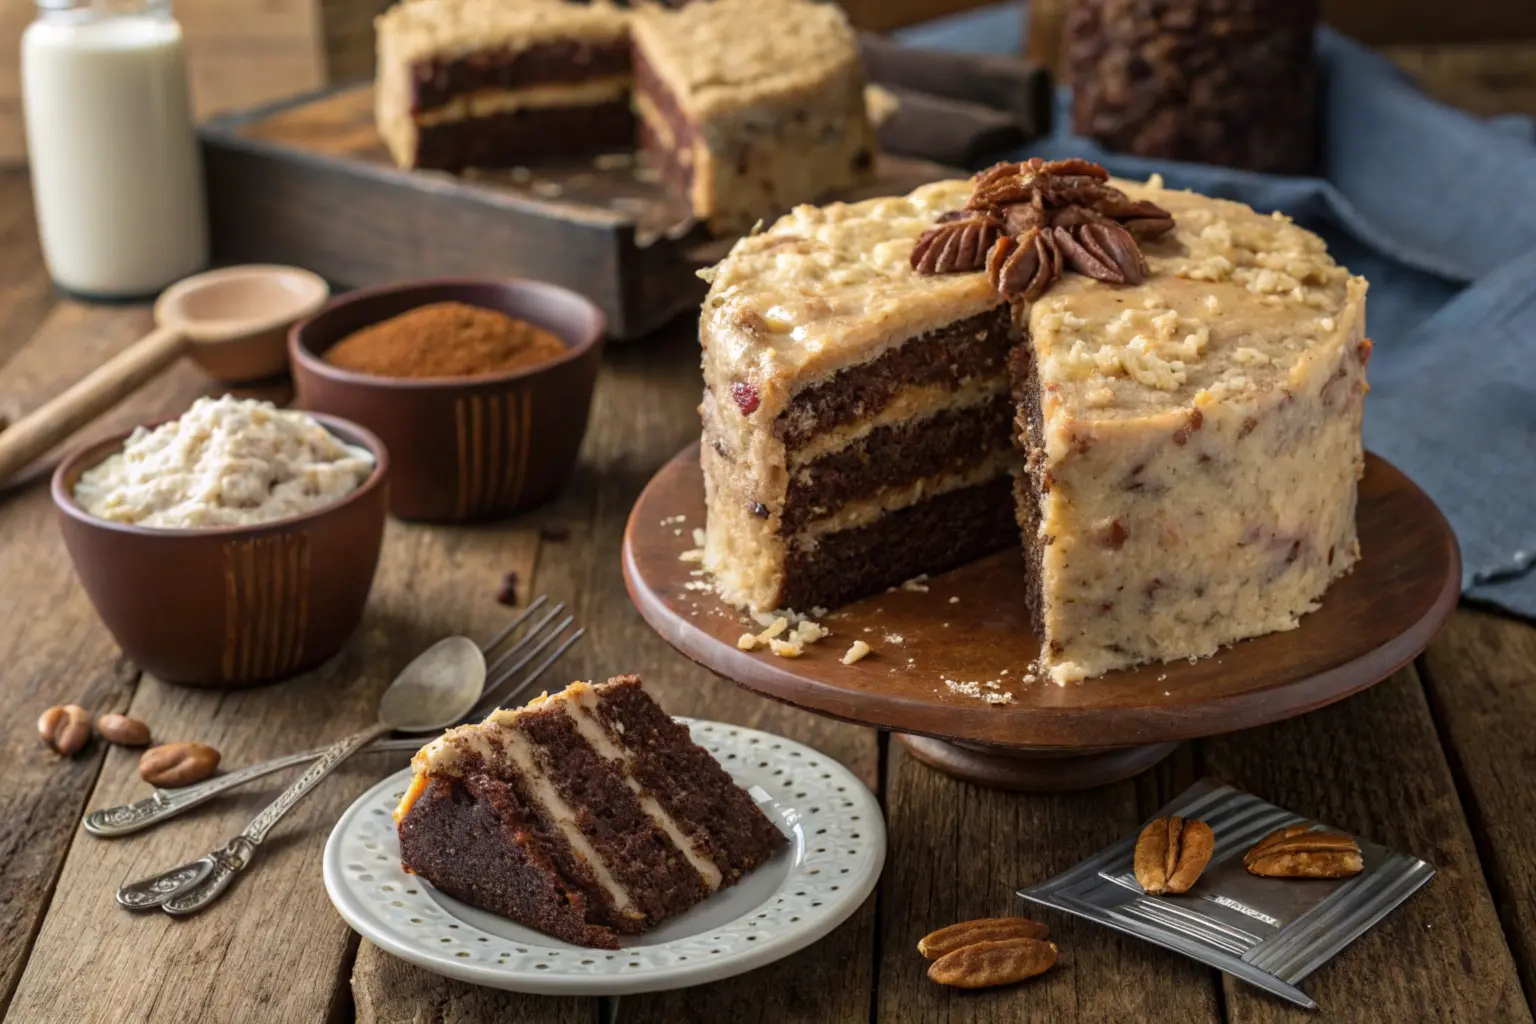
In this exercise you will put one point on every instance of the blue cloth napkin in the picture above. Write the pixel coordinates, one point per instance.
(1437, 210)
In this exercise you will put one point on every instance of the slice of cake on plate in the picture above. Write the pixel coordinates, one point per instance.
(1183, 433)
(748, 107)
(495, 83)
(589, 815)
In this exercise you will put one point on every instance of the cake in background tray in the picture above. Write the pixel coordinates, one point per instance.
(751, 106)
(589, 815)
(744, 107)
(1165, 389)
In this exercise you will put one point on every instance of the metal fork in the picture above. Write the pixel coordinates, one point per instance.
(502, 687)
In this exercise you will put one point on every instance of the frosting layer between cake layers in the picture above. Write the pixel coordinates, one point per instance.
(1187, 448)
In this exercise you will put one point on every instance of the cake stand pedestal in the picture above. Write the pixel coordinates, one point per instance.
(950, 659)
(1033, 770)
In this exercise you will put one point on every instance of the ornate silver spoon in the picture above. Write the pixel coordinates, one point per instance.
(431, 693)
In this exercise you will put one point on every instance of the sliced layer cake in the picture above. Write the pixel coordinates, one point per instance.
(494, 83)
(589, 815)
(748, 107)
(856, 415)
(1185, 424)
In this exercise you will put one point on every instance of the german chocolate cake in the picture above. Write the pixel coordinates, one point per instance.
(1160, 391)
(589, 815)
(745, 107)
(751, 106)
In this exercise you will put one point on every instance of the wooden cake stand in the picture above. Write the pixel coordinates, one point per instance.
(970, 628)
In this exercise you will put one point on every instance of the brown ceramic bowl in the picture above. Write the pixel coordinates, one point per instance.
(464, 448)
(230, 606)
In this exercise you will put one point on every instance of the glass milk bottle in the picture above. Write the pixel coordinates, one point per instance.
(116, 172)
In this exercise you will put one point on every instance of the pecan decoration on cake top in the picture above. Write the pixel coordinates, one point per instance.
(1026, 221)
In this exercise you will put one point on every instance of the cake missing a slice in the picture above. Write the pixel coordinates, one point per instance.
(744, 107)
(588, 815)
(1181, 446)
(750, 106)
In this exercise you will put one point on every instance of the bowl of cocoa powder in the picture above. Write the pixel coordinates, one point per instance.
(479, 387)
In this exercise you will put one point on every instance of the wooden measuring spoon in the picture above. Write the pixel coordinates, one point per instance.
(233, 322)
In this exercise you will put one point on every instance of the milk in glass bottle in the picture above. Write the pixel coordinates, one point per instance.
(116, 174)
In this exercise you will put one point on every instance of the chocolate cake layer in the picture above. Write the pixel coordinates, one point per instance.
(1028, 436)
(474, 840)
(556, 62)
(976, 346)
(659, 881)
(665, 144)
(685, 779)
(949, 441)
(513, 137)
(932, 536)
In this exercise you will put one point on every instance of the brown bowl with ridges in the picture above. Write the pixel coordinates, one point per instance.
(230, 606)
(464, 448)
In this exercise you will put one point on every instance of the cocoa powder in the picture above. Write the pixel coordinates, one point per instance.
(446, 339)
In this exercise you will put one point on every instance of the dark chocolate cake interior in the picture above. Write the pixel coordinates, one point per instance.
(589, 815)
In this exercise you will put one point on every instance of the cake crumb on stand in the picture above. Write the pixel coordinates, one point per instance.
(988, 691)
(856, 653)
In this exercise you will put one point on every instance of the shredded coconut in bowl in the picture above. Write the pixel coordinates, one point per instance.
(225, 462)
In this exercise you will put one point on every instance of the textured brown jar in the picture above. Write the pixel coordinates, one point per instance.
(1227, 82)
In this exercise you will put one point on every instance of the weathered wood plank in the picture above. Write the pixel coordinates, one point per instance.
(26, 294)
(157, 967)
(960, 851)
(272, 944)
(1373, 765)
(53, 650)
(1481, 679)
(644, 412)
(386, 990)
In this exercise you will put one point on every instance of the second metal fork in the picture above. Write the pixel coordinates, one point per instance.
(502, 686)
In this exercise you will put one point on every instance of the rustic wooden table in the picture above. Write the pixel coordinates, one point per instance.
(1435, 761)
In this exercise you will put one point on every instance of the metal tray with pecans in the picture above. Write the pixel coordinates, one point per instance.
(1270, 932)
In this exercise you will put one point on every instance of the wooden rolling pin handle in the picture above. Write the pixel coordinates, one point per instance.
(42, 428)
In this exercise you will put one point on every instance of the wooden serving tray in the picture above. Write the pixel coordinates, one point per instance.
(971, 624)
(307, 181)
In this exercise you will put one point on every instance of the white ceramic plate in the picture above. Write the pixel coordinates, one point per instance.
(833, 859)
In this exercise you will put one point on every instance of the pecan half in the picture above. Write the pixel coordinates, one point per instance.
(123, 730)
(1297, 851)
(983, 929)
(1024, 268)
(178, 764)
(1171, 853)
(64, 729)
(957, 245)
(984, 964)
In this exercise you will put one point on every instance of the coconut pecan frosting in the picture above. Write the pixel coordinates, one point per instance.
(1025, 221)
